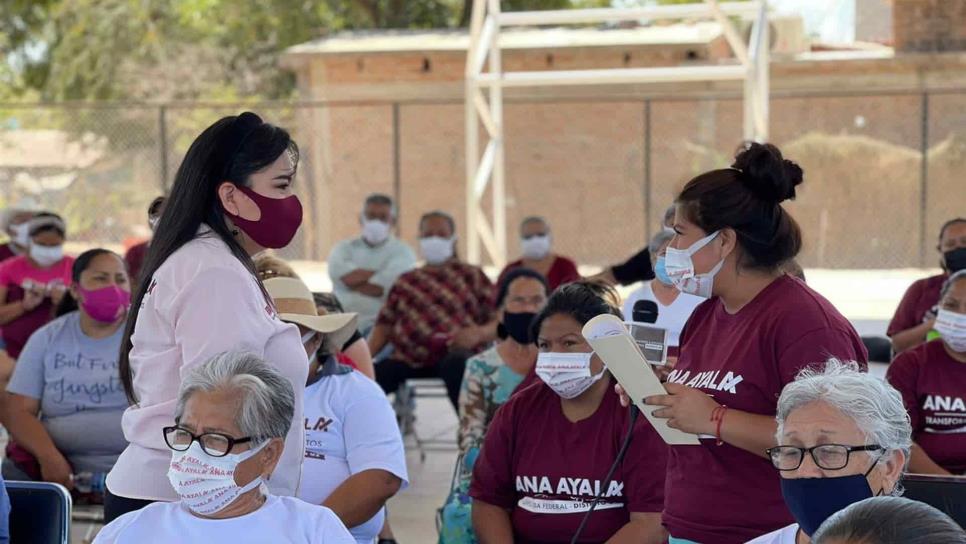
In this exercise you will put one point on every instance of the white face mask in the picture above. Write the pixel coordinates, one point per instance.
(436, 249)
(20, 234)
(46, 255)
(153, 223)
(680, 268)
(375, 231)
(536, 247)
(568, 374)
(952, 328)
(206, 484)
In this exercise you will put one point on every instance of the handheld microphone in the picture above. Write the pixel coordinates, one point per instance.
(645, 311)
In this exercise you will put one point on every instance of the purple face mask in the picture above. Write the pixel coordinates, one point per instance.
(107, 304)
(280, 220)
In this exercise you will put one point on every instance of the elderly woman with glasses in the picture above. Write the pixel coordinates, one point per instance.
(231, 419)
(843, 436)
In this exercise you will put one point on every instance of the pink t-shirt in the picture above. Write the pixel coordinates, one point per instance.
(933, 387)
(546, 470)
(724, 494)
(201, 302)
(14, 273)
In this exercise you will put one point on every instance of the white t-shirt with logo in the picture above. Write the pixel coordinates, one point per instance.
(785, 535)
(349, 427)
(671, 317)
(280, 520)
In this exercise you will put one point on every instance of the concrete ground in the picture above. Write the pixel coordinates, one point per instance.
(868, 298)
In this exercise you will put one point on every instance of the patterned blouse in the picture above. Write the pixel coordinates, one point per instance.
(487, 384)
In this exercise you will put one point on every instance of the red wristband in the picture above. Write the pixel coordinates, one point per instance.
(717, 416)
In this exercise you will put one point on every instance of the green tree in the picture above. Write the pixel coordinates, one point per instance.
(188, 49)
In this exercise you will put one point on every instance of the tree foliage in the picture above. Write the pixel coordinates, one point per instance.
(189, 49)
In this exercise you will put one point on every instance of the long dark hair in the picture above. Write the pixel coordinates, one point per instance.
(582, 300)
(83, 262)
(747, 198)
(231, 150)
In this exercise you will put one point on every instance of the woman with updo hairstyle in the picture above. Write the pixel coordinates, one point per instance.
(757, 330)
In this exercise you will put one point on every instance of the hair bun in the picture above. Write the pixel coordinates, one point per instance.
(766, 173)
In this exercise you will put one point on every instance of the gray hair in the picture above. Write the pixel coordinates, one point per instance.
(534, 219)
(662, 237)
(952, 279)
(669, 215)
(267, 399)
(380, 199)
(874, 405)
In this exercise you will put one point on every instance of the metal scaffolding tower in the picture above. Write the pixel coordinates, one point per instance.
(484, 89)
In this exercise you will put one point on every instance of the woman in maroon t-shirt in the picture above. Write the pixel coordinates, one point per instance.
(932, 380)
(548, 451)
(738, 349)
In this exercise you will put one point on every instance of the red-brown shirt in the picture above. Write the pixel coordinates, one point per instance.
(135, 260)
(546, 469)
(921, 298)
(933, 387)
(428, 305)
(724, 494)
(563, 270)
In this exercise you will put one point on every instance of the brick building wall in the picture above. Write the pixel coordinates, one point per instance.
(584, 158)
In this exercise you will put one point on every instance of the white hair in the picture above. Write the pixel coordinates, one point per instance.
(662, 237)
(266, 398)
(874, 405)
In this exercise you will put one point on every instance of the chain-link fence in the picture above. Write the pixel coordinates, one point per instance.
(602, 171)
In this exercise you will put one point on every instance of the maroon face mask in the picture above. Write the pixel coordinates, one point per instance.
(280, 220)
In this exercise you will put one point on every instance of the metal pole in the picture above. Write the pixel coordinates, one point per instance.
(923, 177)
(163, 145)
(648, 192)
(396, 165)
(499, 172)
(472, 136)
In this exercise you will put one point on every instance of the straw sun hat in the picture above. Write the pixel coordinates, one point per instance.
(295, 304)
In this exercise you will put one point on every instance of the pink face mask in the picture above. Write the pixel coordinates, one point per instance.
(107, 304)
(280, 220)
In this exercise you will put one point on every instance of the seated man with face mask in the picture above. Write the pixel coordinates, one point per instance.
(844, 436)
(354, 455)
(536, 243)
(231, 419)
(436, 316)
(549, 448)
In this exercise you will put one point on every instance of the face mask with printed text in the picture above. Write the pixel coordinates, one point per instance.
(568, 374)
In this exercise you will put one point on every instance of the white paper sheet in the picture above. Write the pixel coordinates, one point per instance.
(614, 345)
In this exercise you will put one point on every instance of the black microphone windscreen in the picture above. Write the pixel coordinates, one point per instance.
(645, 311)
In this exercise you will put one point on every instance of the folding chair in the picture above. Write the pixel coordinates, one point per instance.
(405, 407)
(39, 513)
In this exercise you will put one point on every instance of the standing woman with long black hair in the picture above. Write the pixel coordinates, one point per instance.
(740, 347)
(199, 296)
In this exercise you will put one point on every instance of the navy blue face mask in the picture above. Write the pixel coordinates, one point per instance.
(813, 500)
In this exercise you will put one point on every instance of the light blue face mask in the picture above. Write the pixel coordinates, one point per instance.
(660, 271)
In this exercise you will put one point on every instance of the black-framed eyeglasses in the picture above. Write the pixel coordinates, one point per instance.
(826, 456)
(214, 444)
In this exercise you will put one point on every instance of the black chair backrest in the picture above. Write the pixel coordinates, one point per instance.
(39, 513)
(946, 493)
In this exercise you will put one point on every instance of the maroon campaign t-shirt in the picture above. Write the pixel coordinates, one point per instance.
(546, 470)
(134, 258)
(933, 387)
(563, 270)
(724, 494)
(921, 297)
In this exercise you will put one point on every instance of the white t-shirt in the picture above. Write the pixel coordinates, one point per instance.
(782, 536)
(349, 427)
(279, 520)
(671, 317)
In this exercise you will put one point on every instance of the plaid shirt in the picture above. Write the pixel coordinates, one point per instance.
(434, 300)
